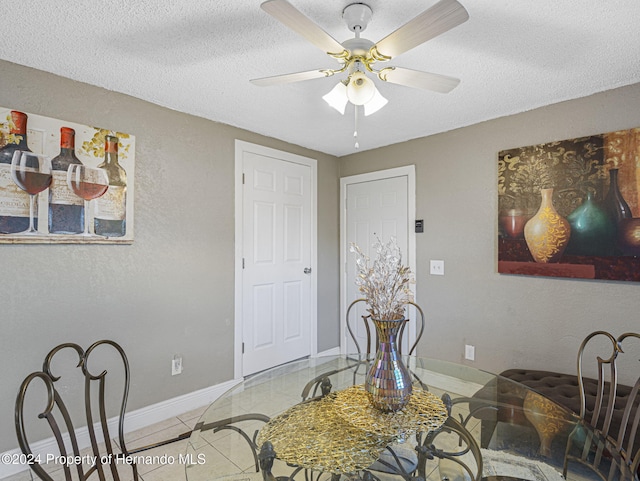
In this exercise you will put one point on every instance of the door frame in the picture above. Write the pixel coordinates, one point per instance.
(242, 146)
(410, 172)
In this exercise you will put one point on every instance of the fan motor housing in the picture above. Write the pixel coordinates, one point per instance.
(358, 46)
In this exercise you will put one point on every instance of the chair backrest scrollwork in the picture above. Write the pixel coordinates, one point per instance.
(629, 435)
(608, 407)
(371, 347)
(96, 406)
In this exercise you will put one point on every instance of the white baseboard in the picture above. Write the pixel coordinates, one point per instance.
(329, 352)
(134, 420)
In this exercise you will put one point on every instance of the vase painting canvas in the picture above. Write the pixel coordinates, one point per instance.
(571, 208)
(80, 190)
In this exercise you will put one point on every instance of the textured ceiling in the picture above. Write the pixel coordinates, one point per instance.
(197, 57)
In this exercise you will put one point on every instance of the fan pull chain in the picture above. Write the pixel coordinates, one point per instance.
(355, 127)
(357, 31)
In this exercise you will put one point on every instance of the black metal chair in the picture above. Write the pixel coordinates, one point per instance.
(263, 456)
(322, 384)
(367, 319)
(102, 411)
(462, 451)
(608, 439)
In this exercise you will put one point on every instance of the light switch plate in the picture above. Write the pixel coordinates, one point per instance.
(176, 366)
(469, 352)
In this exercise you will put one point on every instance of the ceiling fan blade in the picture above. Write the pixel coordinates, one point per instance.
(439, 18)
(299, 23)
(291, 77)
(418, 80)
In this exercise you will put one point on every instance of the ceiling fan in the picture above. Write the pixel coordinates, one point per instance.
(358, 56)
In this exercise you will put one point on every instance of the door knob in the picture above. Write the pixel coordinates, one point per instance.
(307, 270)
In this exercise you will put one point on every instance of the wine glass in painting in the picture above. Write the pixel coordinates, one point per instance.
(32, 173)
(88, 183)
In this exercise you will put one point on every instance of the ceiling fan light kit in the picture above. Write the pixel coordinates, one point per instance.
(360, 89)
(337, 97)
(375, 104)
(357, 56)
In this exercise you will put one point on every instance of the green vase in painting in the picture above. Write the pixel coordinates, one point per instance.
(592, 230)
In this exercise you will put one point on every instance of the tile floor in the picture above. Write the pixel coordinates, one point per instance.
(223, 452)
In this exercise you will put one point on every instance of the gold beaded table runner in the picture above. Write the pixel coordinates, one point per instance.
(343, 433)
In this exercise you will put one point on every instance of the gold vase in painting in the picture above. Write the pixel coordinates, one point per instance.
(547, 232)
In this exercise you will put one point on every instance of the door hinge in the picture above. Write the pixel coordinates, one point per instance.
(243, 348)
(243, 262)
(243, 178)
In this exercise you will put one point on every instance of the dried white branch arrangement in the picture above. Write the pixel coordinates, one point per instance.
(385, 283)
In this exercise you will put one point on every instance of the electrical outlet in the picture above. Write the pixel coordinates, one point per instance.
(176, 365)
(469, 352)
(436, 268)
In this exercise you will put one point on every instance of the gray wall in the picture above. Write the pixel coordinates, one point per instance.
(171, 291)
(513, 321)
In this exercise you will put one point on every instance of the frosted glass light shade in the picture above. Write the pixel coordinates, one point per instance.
(375, 104)
(337, 98)
(360, 89)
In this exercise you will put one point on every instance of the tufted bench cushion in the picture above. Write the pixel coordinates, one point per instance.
(561, 388)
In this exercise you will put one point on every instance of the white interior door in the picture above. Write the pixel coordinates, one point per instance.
(375, 208)
(277, 261)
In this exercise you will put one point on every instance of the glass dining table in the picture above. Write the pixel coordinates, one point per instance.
(312, 420)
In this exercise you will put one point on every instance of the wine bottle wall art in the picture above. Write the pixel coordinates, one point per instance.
(87, 189)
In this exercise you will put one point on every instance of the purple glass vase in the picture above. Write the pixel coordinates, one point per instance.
(388, 381)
